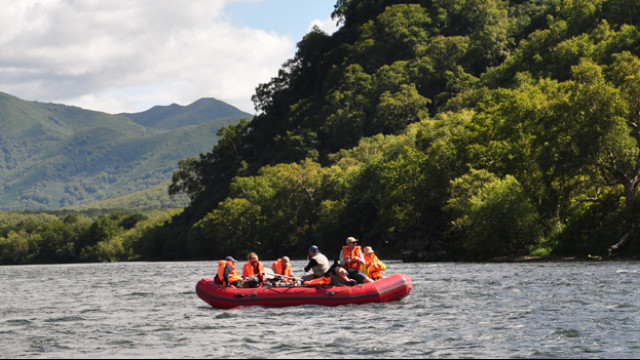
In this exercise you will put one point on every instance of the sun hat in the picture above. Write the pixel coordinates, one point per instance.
(230, 258)
(368, 250)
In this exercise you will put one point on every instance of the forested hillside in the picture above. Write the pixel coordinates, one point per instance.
(443, 129)
(54, 156)
(155, 197)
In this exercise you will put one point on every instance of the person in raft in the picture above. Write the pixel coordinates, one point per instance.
(351, 261)
(322, 273)
(282, 266)
(253, 271)
(227, 274)
(318, 263)
(373, 267)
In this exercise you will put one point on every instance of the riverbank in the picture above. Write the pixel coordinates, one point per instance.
(528, 258)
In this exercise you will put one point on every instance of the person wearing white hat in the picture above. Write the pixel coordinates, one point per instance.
(351, 261)
(351, 255)
(373, 267)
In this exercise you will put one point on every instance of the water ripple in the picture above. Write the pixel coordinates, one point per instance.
(143, 310)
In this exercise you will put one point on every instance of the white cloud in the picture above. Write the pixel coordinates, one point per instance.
(329, 25)
(128, 55)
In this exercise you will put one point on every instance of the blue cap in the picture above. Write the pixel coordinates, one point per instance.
(230, 258)
(314, 249)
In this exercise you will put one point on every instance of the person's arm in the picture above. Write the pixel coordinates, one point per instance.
(341, 260)
(311, 264)
(261, 273)
(227, 271)
(383, 267)
(361, 259)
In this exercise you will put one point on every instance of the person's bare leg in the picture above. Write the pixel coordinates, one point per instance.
(367, 280)
(342, 274)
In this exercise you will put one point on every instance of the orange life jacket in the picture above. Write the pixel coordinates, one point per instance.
(355, 254)
(325, 280)
(279, 269)
(233, 275)
(249, 270)
(372, 267)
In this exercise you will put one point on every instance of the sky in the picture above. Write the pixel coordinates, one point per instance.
(129, 55)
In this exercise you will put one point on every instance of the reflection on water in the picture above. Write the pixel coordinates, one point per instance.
(135, 310)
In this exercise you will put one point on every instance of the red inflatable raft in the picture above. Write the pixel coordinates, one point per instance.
(391, 288)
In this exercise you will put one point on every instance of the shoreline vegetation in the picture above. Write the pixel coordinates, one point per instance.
(107, 235)
(528, 258)
(71, 236)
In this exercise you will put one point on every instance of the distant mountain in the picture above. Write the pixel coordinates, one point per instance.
(175, 116)
(54, 156)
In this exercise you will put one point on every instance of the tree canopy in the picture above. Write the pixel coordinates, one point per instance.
(443, 129)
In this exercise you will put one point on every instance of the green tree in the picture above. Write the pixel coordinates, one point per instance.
(187, 179)
(102, 230)
(486, 23)
(400, 32)
(348, 108)
(234, 227)
(14, 248)
(493, 216)
(619, 160)
(59, 240)
(110, 250)
(397, 110)
(622, 11)
(195, 176)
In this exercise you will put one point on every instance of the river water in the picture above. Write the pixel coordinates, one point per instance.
(456, 310)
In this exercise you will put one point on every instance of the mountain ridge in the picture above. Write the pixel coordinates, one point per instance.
(171, 117)
(54, 155)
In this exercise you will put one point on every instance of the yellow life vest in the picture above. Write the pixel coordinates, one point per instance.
(373, 266)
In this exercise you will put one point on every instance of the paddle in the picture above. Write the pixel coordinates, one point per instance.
(269, 274)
